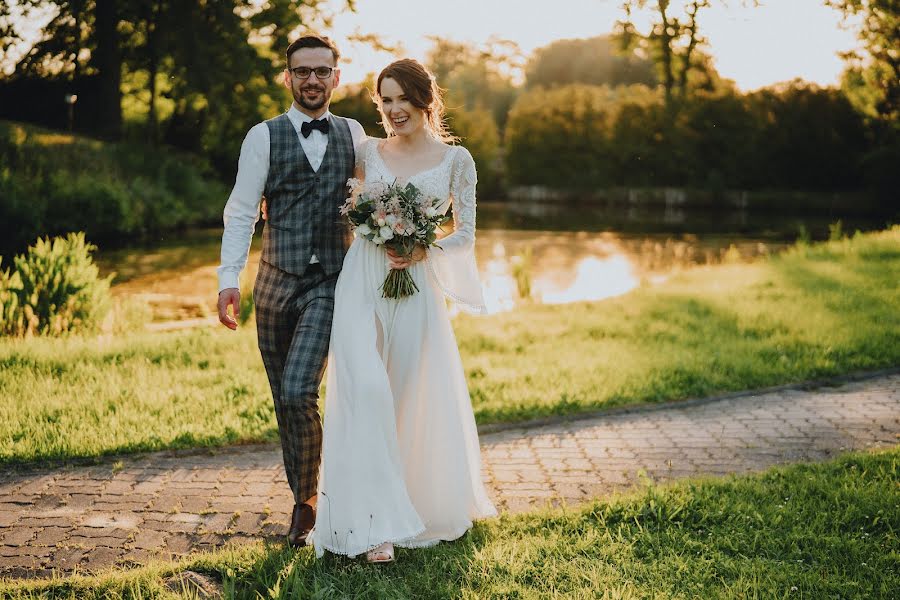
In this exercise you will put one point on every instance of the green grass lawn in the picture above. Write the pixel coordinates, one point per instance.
(821, 531)
(814, 311)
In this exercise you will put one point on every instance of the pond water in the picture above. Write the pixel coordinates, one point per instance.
(548, 253)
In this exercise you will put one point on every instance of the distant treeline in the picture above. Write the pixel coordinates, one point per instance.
(791, 137)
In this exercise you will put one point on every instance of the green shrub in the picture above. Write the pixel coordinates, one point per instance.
(247, 303)
(521, 271)
(12, 320)
(55, 289)
(836, 231)
(52, 183)
(84, 202)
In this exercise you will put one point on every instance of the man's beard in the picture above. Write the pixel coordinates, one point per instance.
(308, 105)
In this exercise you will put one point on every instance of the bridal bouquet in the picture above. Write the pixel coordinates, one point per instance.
(397, 217)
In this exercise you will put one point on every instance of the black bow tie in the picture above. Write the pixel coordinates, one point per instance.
(320, 124)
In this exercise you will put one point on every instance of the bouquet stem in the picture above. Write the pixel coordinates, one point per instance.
(398, 284)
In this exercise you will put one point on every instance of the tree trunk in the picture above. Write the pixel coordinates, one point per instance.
(665, 47)
(153, 68)
(77, 12)
(108, 60)
(692, 29)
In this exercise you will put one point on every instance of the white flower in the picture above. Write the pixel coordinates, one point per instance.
(363, 229)
(380, 221)
(354, 184)
(376, 188)
(391, 220)
(386, 232)
(377, 240)
(430, 211)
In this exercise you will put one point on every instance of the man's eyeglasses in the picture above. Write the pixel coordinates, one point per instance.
(305, 72)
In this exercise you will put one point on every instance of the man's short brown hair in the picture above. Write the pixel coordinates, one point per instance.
(311, 40)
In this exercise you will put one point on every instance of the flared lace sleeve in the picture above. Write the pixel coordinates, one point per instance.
(452, 262)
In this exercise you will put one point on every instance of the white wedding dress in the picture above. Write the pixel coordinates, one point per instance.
(401, 460)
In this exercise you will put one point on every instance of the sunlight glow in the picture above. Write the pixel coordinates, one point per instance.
(758, 46)
(595, 279)
(755, 47)
(602, 270)
(499, 286)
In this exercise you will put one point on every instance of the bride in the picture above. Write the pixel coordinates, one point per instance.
(401, 461)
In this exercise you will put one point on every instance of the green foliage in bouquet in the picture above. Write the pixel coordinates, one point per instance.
(396, 217)
(54, 289)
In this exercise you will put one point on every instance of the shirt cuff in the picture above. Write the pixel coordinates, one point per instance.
(229, 279)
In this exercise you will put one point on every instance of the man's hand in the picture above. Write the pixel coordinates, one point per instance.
(401, 262)
(230, 296)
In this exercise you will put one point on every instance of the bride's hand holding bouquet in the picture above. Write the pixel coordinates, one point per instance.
(403, 262)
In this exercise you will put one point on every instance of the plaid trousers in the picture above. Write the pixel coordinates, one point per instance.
(293, 322)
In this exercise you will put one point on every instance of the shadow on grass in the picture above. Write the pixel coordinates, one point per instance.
(806, 531)
(818, 530)
(280, 572)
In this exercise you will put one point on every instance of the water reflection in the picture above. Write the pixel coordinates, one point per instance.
(554, 267)
(500, 288)
(676, 213)
(550, 252)
(178, 280)
(527, 252)
(595, 279)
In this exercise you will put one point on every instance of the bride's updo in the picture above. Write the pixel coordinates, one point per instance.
(421, 91)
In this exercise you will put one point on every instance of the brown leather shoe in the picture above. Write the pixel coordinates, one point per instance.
(302, 521)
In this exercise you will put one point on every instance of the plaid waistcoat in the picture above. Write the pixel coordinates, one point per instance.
(304, 205)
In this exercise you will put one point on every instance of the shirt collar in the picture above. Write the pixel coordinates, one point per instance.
(299, 117)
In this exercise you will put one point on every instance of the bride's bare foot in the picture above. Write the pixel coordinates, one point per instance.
(381, 554)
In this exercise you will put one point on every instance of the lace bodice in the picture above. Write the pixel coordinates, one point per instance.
(453, 180)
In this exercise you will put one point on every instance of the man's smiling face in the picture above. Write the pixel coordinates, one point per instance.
(312, 93)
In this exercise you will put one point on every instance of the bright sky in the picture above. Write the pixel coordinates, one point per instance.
(755, 47)
(777, 41)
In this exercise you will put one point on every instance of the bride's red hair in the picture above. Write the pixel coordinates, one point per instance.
(422, 92)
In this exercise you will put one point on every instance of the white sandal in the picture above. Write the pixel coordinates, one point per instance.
(381, 554)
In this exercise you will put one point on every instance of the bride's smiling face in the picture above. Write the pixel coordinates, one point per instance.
(401, 115)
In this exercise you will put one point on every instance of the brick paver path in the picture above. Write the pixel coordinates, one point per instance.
(172, 503)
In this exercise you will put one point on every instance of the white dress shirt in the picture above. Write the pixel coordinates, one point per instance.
(242, 209)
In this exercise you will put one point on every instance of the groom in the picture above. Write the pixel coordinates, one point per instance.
(300, 161)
